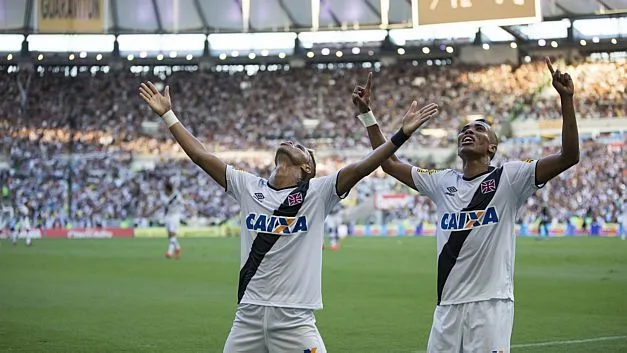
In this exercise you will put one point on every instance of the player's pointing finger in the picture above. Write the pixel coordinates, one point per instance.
(369, 82)
(549, 65)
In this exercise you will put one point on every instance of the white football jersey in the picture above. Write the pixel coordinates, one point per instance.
(281, 239)
(475, 231)
(174, 205)
(24, 211)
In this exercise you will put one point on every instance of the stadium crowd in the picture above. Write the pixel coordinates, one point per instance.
(235, 111)
(241, 112)
(108, 188)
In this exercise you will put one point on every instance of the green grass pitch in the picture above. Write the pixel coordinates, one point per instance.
(122, 295)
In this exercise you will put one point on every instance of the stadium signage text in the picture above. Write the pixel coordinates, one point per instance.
(505, 12)
(276, 224)
(88, 233)
(70, 15)
(72, 9)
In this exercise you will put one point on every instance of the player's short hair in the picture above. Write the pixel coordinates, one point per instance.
(493, 138)
(169, 186)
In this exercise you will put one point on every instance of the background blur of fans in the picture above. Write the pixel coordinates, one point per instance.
(81, 150)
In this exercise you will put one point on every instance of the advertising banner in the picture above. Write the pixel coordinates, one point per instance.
(428, 229)
(189, 232)
(70, 16)
(499, 12)
(88, 233)
(33, 234)
(387, 201)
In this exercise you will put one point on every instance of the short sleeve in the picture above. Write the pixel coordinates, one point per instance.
(426, 180)
(522, 178)
(326, 188)
(237, 181)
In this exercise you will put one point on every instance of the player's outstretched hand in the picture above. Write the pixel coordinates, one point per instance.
(415, 118)
(561, 81)
(158, 102)
(361, 96)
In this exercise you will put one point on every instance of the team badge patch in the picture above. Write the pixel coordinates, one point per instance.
(488, 186)
(312, 350)
(295, 199)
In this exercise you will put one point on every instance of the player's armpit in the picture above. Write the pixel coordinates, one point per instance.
(199, 154)
(401, 171)
(551, 166)
(354, 172)
(212, 165)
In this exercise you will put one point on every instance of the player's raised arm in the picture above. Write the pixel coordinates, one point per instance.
(393, 165)
(413, 119)
(550, 166)
(196, 151)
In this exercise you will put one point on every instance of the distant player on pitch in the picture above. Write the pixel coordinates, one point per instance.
(173, 206)
(475, 232)
(282, 221)
(23, 225)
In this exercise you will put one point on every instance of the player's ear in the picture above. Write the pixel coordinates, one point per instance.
(492, 149)
(306, 167)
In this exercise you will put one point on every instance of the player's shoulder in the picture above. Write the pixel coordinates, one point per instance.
(235, 169)
(438, 175)
(425, 171)
(240, 173)
(321, 180)
(517, 163)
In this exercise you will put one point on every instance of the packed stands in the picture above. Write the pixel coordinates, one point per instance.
(235, 111)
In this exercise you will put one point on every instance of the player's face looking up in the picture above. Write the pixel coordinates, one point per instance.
(299, 156)
(476, 139)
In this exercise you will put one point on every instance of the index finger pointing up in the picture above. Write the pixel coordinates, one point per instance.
(369, 82)
(549, 65)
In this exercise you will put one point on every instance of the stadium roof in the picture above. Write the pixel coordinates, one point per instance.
(194, 16)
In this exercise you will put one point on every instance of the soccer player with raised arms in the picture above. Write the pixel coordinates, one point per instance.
(475, 234)
(282, 231)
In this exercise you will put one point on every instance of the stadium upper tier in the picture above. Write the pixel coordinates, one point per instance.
(184, 16)
(237, 111)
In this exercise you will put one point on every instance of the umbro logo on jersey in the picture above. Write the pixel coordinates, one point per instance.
(276, 224)
(451, 190)
(469, 219)
(259, 196)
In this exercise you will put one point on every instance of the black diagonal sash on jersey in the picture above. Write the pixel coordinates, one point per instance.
(170, 201)
(451, 249)
(264, 241)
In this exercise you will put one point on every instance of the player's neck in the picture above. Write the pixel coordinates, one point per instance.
(474, 167)
(284, 177)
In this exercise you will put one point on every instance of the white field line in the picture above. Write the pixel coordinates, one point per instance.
(558, 343)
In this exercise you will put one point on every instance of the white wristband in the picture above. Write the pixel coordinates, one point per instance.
(367, 119)
(169, 118)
